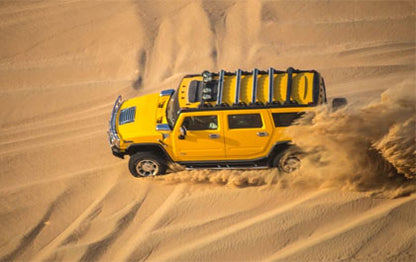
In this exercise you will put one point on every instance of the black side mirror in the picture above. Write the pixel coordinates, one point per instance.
(338, 103)
(182, 131)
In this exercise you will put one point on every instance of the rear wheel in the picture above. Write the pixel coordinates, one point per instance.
(288, 161)
(145, 164)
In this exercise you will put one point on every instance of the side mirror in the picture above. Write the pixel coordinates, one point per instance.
(182, 131)
(167, 92)
(338, 103)
(163, 127)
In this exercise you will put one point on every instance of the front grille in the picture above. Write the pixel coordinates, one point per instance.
(127, 115)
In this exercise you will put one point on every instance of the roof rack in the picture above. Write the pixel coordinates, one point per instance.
(258, 88)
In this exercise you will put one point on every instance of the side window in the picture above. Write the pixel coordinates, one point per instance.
(200, 122)
(285, 119)
(244, 121)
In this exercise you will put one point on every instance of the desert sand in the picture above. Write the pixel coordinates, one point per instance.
(64, 197)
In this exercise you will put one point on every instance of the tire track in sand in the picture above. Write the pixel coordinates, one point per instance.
(29, 238)
(58, 178)
(365, 218)
(175, 254)
(52, 122)
(150, 224)
(45, 136)
(56, 142)
(50, 248)
(97, 249)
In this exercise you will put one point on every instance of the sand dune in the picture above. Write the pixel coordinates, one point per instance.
(64, 197)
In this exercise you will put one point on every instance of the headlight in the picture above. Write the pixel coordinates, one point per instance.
(115, 141)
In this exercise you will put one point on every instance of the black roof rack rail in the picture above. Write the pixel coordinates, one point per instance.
(237, 86)
(254, 88)
(324, 89)
(220, 87)
(289, 71)
(271, 83)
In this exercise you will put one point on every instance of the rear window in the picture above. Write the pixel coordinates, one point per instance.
(244, 121)
(285, 119)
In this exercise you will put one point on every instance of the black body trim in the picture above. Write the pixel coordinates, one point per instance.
(116, 152)
(262, 162)
(130, 149)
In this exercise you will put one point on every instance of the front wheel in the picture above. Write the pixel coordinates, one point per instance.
(288, 161)
(145, 164)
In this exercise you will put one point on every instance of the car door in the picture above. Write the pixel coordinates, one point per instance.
(203, 140)
(247, 134)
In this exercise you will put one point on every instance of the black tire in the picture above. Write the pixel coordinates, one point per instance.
(145, 164)
(288, 161)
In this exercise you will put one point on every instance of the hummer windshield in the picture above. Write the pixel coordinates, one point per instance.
(172, 109)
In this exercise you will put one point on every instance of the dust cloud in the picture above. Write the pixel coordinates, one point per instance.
(367, 147)
(231, 178)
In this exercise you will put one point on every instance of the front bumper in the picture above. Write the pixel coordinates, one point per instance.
(117, 153)
(113, 138)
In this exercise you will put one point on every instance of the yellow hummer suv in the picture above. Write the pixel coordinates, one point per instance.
(216, 120)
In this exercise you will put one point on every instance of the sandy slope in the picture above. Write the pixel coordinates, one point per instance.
(65, 197)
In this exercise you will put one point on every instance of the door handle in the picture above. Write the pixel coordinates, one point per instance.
(262, 133)
(214, 136)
